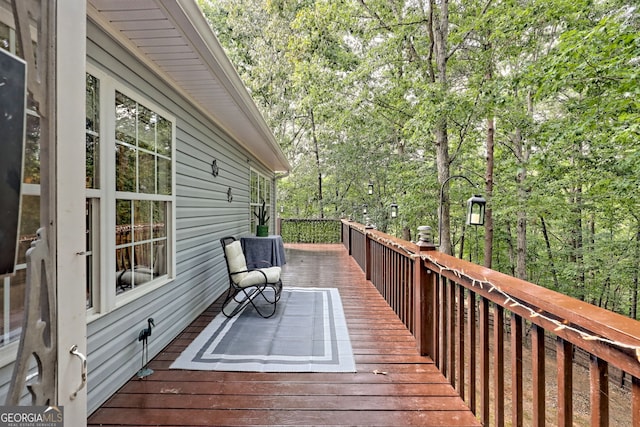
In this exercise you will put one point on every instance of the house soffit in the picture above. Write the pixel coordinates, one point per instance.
(174, 40)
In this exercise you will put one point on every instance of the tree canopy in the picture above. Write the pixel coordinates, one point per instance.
(536, 102)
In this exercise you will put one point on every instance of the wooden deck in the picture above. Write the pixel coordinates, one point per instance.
(394, 385)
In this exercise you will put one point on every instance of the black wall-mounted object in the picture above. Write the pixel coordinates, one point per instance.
(229, 195)
(13, 89)
(215, 170)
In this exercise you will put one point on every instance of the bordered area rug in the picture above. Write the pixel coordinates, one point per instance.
(308, 333)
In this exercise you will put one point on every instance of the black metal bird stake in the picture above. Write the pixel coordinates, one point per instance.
(144, 336)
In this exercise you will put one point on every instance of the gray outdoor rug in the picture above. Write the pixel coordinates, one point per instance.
(308, 333)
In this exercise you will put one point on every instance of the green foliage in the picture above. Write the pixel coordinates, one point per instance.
(353, 94)
(262, 214)
(311, 231)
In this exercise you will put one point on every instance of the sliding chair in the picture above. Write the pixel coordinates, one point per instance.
(248, 284)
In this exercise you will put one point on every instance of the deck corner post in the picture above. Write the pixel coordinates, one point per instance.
(424, 288)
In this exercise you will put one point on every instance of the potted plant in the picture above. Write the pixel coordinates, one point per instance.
(262, 229)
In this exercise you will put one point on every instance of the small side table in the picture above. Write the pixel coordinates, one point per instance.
(264, 249)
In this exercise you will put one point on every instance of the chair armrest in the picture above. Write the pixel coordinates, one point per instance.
(239, 272)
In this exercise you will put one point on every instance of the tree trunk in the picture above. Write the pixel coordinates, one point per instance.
(522, 152)
(547, 242)
(510, 250)
(316, 150)
(488, 221)
(577, 236)
(441, 33)
(521, 215)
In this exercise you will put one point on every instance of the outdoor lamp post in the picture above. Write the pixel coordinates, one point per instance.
(394, 210)
(475, 207)
(475, 210)
(364, 209)
(370, 188)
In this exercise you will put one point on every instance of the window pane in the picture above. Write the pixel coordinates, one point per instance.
(263, 186)
(4, 36)
(89, 261)
(89, 251)
(160, 256)
(32, 151)
(123, 260)
(29, 224)
(159, 219)
(123, 222)
(93, 132)
(92, 102)
(93, 161)
(125, 168)
(142, 219)
(164, 136)
(146, 128)
(267, 192)
(142, 255)
(254, 188)
(164, 176)
(13, 309)
(147, 173)
(125, 119)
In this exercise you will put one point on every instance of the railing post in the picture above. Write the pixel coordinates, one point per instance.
(367, 253)
(424, 288)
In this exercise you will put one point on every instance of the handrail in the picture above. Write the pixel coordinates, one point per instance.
(450, 305)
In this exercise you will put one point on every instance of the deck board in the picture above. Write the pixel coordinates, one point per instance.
(394, 385)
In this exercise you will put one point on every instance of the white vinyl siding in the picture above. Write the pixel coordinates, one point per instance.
(200, 215)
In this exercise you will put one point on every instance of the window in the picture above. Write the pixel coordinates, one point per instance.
(130, 196)
(92, 208)
(12, 288)
(260, 191)
(143, 142)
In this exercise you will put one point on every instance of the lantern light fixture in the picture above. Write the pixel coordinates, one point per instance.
(370, 188)
(364, 209)
(394, 210)
(475, 207)
(476, 210)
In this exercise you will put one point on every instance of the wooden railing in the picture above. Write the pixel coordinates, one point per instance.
(472, 321)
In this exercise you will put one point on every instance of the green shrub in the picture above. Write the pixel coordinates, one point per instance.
(311, 230)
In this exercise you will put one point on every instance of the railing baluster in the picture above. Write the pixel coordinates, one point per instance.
(484, 361)
(498, 364)
(537, 367)
(635, 401)
(564, 355)
(451, 327)
(460, 334)
(599, 379)
(471, 327)
(440, 334)
(516, 371)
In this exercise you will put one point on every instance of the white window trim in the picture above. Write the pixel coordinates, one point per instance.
(107, 298)
(252, 219)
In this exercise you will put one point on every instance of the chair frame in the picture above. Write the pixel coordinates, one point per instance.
(249, 293)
